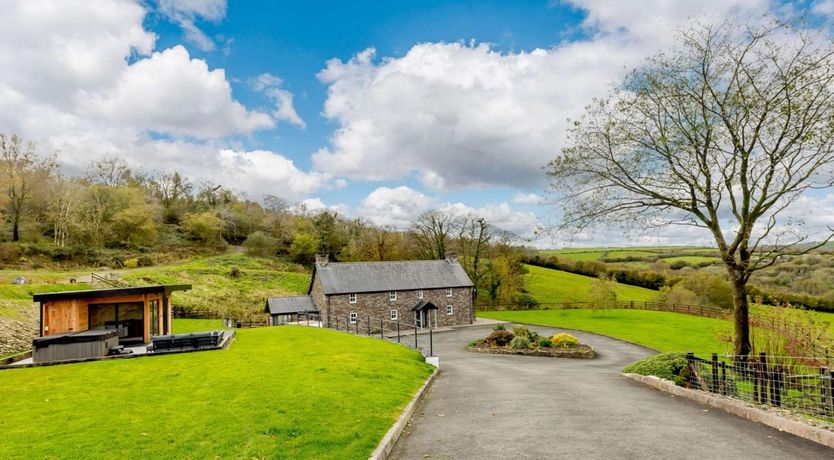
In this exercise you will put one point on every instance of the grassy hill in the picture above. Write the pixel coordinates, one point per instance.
(267, 396)
(554, 286)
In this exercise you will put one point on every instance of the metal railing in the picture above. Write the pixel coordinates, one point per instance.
(783, 382)
(397, 331)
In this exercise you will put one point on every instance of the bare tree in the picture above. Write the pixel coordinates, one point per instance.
(472, 241)
(111, 171)
(431, 234)
(22, 170)
(723, 133)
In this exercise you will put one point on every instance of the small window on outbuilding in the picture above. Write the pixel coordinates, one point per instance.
(394, 315)
(392, 295)
(352, 298)
(448, 292)
(353, 317)
(450, 310)
(419, 293)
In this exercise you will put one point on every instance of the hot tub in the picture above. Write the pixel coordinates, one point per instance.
(74, 345)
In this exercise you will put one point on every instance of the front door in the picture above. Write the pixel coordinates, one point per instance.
(422, 319)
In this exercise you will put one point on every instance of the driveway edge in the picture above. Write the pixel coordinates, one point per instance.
(386, 445)
(794, 427)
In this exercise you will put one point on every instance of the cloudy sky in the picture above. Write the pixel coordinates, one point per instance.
(380, 110)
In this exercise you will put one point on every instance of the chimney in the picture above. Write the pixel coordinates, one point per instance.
(322, 259)
(452, 257)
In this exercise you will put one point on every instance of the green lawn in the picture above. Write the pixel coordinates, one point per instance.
(281, 392)
(554, 286)
(184, 326)
(662, 331)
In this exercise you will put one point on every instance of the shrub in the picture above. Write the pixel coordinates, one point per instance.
(234, 272)
(545, 342)
(564, 340)
(146, 261)
(499, 327)
(669, 366)
(521, 331)
(499, 338)
(260, 244)
(131, 263)
(204, 227)
(520, 343)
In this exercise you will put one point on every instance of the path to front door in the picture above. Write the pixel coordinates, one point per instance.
(496, 406)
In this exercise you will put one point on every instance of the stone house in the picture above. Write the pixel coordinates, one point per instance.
(428, 293)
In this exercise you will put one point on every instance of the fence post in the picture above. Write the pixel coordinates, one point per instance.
(714, 386)
(415, 334)
(723, 378)
(825, 390)
(398, 330)
(776, 392)
(431, 343)
(690, 364)
(764, 378)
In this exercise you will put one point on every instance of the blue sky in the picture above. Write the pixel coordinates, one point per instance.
(380, 110)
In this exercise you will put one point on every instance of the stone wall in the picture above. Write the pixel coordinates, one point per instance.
(378, 305)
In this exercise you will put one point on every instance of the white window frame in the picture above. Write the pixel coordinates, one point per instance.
(354, 317)
(352, 298)
(392, 296)
(450, 310)
(448, 292)
(419, 293)
(395, 315)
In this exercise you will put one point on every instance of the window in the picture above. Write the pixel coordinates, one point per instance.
(392, 295)
(352, 298)
(450, 310)
(448, 292)
(419, 293)
(353, 316)
(394, 315)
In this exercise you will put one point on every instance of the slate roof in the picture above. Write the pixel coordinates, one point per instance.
(403, 275)
(288, 305)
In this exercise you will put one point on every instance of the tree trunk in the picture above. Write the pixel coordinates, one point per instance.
(16, 225)
(741, 342)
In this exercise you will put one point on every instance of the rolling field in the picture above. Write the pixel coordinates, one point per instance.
(264, 397)
(554, 286)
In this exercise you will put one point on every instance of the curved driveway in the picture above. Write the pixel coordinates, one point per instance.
(499, 406)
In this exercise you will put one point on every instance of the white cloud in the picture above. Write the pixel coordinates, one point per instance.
(185, 14)
(284, 108)
(527, 198)
(173, 94)
(400, 206)
(86, 82)
(458, 115)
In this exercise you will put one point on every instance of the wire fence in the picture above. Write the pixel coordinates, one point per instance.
(784, 382)
(396, 331)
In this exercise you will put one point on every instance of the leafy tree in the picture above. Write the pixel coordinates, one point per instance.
(22, 172)
(602, 293)
(723, 133)
(204, 227)
(304, 248)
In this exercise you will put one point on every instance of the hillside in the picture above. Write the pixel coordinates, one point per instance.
(554, 286)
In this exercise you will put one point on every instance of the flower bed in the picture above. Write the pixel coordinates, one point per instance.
(522, 341)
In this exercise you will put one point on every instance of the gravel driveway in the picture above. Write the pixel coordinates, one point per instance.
(498, 406)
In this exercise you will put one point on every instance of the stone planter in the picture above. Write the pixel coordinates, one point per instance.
(580, 352)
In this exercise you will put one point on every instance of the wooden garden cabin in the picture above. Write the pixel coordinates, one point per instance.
(136, 313)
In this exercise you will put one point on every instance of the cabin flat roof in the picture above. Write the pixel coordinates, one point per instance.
(109, 292)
